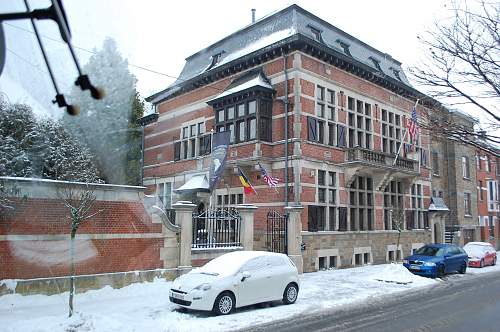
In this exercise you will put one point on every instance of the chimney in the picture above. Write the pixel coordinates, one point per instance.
(253, 15)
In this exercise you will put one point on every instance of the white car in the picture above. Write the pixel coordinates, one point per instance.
(237, 279)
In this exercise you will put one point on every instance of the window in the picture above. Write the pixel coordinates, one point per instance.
(393, 205)
(322, 127)
(488, 164)
(478, 162)
(435, 163)
(192, 144)
(316, 33)
(229, 200)
(480, 190)
(376, 63)
(416, 216)
(361, 204)
(391, 131)
(323, 217)
(245, 121)
(359, 123)
(467, 204)
(164, 194)
(465, 167)
(345, 46)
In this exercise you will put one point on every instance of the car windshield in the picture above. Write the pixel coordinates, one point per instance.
(430, 251)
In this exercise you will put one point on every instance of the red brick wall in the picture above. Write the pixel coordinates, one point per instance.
(38, 237)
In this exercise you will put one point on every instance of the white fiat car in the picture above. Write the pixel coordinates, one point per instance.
(237, 279)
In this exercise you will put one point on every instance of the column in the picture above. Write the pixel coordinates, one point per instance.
(294, 239)
(247, 212)
(184, 218)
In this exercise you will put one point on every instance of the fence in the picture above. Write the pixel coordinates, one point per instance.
(216, 229)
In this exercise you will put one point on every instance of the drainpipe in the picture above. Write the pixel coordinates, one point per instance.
(285, 101)
(142, 158)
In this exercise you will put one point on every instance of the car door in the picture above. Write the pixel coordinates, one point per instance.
(278, 277)
(451, 259)
(490, 255)
(252, 289)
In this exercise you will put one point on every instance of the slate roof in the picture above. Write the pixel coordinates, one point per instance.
(288, 26)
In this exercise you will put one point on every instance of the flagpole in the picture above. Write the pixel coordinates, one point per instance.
(400, 146)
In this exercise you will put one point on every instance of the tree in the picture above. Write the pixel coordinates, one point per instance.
(5, 202)
(79, 200)
(398, 218)
(40, 148)
(462, 66)
(109, 126)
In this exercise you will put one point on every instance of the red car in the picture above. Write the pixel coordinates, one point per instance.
(480, 254)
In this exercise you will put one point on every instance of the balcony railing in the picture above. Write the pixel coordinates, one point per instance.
(380, 158)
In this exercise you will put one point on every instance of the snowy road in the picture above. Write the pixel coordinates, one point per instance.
(145, 307)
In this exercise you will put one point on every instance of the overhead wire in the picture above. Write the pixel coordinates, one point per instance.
(93, 52)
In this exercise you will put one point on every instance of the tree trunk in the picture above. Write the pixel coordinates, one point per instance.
(72, 272)
(397, 246)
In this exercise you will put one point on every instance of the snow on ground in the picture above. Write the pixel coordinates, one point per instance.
(145, 306)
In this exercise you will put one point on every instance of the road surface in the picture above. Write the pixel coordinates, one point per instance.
(468, 302)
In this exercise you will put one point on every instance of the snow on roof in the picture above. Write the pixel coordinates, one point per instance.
(258, 80)
(437, 204)
(198, 182)
(257, 45)
(50, 181)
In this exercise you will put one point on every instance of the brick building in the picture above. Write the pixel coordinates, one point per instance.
(320, 110)
(466, 178)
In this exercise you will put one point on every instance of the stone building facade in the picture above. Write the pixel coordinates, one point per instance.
(321, 111)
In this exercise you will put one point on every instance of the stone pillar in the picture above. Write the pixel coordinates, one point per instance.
(184, 218)
(247, 212)
(294, 239)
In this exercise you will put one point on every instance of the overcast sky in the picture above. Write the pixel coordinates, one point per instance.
(159, 35)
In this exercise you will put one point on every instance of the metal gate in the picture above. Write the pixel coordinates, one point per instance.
(216, 229)
(277, 232)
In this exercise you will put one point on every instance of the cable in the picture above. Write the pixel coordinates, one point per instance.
(92, 52)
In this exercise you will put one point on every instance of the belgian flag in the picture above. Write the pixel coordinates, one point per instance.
(247, 186)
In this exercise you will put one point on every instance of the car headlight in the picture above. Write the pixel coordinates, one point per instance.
(405, 261)
(429, 264)
(204, 287)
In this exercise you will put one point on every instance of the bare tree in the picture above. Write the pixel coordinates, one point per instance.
(462, 65)
(79, 199)
(398, 218)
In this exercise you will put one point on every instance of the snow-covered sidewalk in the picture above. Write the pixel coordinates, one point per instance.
(145, 306)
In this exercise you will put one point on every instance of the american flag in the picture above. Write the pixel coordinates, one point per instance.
(412, 124)
(271, 181)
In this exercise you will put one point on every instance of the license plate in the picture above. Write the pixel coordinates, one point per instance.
(415, 267)
(178, 296)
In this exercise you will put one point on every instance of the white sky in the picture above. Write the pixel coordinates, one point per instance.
(159, 35)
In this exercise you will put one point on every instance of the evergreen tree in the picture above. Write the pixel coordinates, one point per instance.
(41, 148)
(108, 126)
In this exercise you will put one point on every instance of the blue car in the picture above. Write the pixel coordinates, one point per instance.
(435, 260)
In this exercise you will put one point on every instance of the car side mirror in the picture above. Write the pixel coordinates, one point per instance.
(245, 275)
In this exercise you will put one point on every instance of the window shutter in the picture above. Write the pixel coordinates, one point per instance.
(177, 151)
(312, 134)
(341, 142)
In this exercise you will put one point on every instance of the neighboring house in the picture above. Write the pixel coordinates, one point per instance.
(345, 106)
(454, 180)
(488, 187)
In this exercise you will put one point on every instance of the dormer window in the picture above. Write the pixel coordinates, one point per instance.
(376, 63)
(395, 72)
(316, 33)
(345, 46)
(215, 59)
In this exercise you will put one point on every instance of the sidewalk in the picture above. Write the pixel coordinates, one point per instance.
(145, 307)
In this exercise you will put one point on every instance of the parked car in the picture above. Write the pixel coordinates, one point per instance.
(480, 254)
(435, 260)
(237, 279)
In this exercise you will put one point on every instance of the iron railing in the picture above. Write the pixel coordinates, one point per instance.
(277, 232)
(216, 229)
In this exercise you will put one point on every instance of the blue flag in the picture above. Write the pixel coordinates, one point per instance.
(220, 145)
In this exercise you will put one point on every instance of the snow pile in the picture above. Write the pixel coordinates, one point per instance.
(11, 284)
(396, 273)
(146, 307)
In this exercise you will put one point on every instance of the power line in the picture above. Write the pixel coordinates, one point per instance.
(93, 52)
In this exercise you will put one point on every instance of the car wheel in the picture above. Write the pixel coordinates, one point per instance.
(224, 304)
(463, 268)
(440, 271)
(482, 263)
(290, 294)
